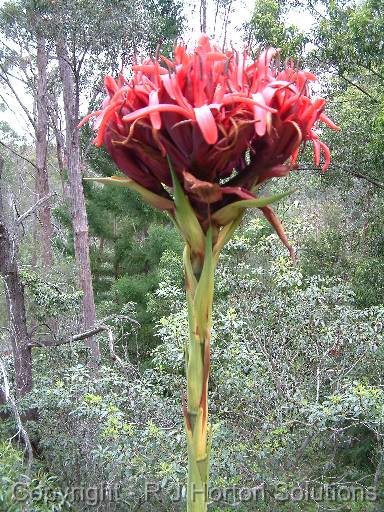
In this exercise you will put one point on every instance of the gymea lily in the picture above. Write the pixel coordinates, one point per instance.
(196, 136)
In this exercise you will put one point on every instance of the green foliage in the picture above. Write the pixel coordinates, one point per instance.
(293, 361)
(50, 299)
(347, 241)
(128, 431)
(167, 24)
(111, 30)
(342, 35)
(19, 488)
(130, 240)
(267, 28)
(354, 254)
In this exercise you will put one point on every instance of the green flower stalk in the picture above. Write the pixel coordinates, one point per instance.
(199, 289)
(199, 271)
(197, 136)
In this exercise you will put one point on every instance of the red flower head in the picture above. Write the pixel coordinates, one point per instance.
(226, 123)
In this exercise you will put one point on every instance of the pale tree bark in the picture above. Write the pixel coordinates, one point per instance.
(78, 211)
(60, 142)
(39, 121)
(4, 414)
(203, 16)
(226, 22)
(9, 399)
(41, 132)
(14, 294)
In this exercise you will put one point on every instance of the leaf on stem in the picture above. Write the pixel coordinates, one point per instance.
(150, 197)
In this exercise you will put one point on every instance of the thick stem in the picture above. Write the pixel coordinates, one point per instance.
(199, 289)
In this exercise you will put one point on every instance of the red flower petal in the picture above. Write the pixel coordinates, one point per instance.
(110, 85)
(207, 124)
(237, 98)
(150, 68)
(162, 107)
(329, 122)
(327, 155)
(260, 114)
(316, 151)
(104, 118)
(88, 117)
(155, 116)
(205, 109)
(294, 156)
(167, 82)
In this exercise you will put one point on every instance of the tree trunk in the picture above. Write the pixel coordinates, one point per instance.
(203, 16)
(14, 292)
(4, 414)
(60, 143)
(41, 132)
(226, 22)
(378, 479)
(78, 211)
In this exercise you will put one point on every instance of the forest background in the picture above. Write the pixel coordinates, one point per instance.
(92, 316)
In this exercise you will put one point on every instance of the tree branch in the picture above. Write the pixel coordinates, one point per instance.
(111, 347)
(356, 174)
(12, 404)
(18, 155)
(81, 59)
(377, 183)
(49, 343)
(26, 111)
(35, 207)
(361, 89)
(88, 334)
(81, 336)
(368, 68)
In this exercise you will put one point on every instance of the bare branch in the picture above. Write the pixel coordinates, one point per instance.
(12, 404)
(111, 347)
(81, 59)
(377, 183)
(64, 341)
(35, 207)
(100, 327)
(89, 334)
(369, 68)
(8, 82)
(18, 154)
(356, 174)
(361, 89)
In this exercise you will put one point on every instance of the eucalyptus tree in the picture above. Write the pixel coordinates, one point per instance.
(24, 62)
(347, 47)
(342, 48)
(14, 294)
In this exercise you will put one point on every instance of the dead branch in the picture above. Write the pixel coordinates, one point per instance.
(349, 171)
(18, 154)
(111, 347)
(100, 327)
(5, 78)
(33, 208)
(63, 341)
(12, 404)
